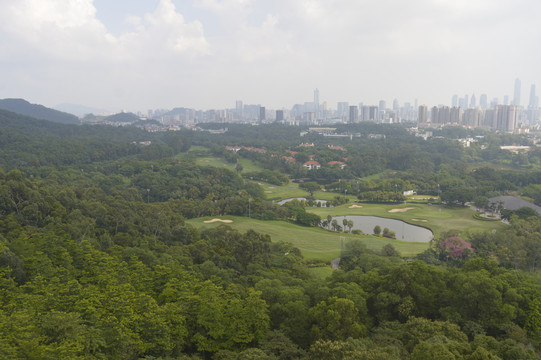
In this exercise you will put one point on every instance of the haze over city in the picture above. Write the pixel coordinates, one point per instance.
(139, 55)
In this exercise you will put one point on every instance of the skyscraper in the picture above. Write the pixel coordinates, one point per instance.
(483, 101)
(533, 98)
(353, 114)
(316, 102)
(454, 100)
(279, 115)
(422, 115)
(516, 97)
(342, 108)
(506, 117)
(262, 113)
(239, 109)
(473, 101)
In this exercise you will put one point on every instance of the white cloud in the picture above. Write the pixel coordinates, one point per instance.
(68, 30)
(211, 52)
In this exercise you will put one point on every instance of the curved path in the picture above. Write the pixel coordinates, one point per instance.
(335, 264)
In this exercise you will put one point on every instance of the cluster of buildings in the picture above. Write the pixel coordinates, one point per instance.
(508, 115)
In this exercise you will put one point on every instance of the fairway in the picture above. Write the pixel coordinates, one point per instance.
(247, 164)
(292, 190)
(438, 218)
(314, 243)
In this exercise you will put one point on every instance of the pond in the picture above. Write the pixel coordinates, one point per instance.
(403, 230)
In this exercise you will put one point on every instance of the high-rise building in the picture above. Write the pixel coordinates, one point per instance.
(455, 117)
(396, 105)
(316, 101)
(422, 116)
(483, 101)
(516, 97)
(466, 102)
(472, 117)
(435, 115)
(373, 113)
(382, 105)
(506, 117)
(473, 101)
(533, 98)
(262, 113)
(506, 100)
(342, 108)
(353, 114)
(279, 115)
(239, 109)
(454, 100)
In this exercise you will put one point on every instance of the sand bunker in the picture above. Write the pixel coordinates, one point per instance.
(422, 220)
(267, 191)
(401, 210)
(215, 220)
(271, 187)
(355, 206)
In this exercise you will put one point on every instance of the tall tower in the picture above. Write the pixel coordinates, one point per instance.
(473, 101)
(422, 114)
(454, 101)
(316, 102)
(239, 108)
(516, 97)
(483, 101)
(533, 98)
(353, 114)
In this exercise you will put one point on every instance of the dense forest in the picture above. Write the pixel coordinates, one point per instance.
(97, 261)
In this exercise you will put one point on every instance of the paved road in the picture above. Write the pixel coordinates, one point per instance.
(514, 203)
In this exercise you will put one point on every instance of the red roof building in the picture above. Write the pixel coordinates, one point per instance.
(311, 165)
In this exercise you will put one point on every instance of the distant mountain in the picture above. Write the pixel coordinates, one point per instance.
(23, 107)
(123, 117)
(80, 110)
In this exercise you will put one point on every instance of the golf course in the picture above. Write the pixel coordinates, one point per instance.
(325, 245)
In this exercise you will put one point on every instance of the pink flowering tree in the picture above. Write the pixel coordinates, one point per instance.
(455, 248)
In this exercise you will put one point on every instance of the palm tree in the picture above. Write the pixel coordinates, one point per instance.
(350, 225)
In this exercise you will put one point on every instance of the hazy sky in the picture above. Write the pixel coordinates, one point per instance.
(143, 54)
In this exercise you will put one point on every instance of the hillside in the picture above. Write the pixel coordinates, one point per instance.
(23, 107)
(122, 117)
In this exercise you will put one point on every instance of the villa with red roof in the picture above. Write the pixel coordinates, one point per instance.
(311, 165)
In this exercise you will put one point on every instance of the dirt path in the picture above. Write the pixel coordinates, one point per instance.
(335, 264)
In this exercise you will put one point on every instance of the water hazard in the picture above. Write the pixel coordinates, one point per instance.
(403, 230)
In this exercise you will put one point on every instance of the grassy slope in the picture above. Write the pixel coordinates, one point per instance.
(315, 243)
(292, 190)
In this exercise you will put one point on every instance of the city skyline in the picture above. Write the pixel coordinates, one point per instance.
(149, 54)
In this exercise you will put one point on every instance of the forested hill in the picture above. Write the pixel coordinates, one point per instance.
(25, 140)
(122, 117)
(23, 107)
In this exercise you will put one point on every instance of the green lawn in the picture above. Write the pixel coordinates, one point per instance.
(247, 165)
(314, 243)
(275, 192)
(438, 218)
(292, 190)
